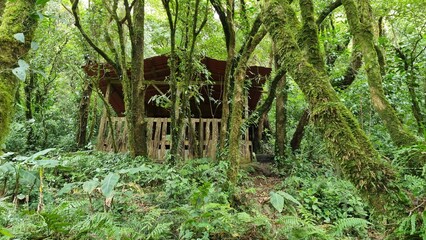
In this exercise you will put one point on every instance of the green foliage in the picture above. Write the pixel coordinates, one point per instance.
(277, 200)
(413, 224)
(325, 200)
(114, 196)
(407, 159)
(297, 228)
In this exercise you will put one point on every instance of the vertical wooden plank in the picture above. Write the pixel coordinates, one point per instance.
(149, 137)
(215, 138)
(202, 136)
(207, 137)
(156, 141)
(163, 137)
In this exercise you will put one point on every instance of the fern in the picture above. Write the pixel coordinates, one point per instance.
(160, 230)
(154, 226)
(294, 227)
(94, 223)
(291, 221)
(342, 225)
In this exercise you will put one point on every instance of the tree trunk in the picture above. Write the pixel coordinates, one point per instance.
(28, 89)
(296, 140)
(227, 20)
(360, 20)
(415, 104)
(94, 118)
(340, 84)
(281, 114)
(138, 91)
(309, 42)
(308, 39)
(175, 132)
(238, 99)
(83, 115)
(281, 120)
(17, 18)
(346, 142)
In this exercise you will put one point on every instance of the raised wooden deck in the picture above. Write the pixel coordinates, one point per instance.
(204, 131)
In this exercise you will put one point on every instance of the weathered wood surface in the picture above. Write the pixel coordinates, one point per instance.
(206, 137)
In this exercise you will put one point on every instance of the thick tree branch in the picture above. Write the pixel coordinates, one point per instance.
(223, 20)
(87, 38)
(327, 11)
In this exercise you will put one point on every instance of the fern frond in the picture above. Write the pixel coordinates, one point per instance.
(291, 221)
(160, 231)
(345, 224)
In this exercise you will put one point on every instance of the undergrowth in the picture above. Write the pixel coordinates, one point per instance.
(93, 195)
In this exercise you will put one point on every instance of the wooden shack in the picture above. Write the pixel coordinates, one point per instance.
(206, 113)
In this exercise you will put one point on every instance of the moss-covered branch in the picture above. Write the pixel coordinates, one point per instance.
(353, 154)
(308, 39)
(327, 11)
(360, 19)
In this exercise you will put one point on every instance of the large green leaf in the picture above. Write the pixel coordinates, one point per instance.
(27, 177)
(89, 186)
(108, 184)
(41, 153)
(67, 188)
(47, 163)
(34, 46)
(289, 197)
(142, 168)
(7, 168)
(277, 201)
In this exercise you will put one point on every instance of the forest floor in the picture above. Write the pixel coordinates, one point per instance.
(94, 195)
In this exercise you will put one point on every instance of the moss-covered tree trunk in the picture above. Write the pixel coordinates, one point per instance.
(308, 38)
(238, 99)
(348, 145)
(17, 18)
(281, 120)
(83, 115)
(360, 21)
(138, 91)
(281, 115)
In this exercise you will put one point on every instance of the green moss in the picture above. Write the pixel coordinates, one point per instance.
(308, 38)
(6, 105)
(15, 19)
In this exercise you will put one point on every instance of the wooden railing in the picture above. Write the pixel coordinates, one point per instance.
(201, 138)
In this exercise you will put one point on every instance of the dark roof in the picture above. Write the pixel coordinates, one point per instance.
(157, 70)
